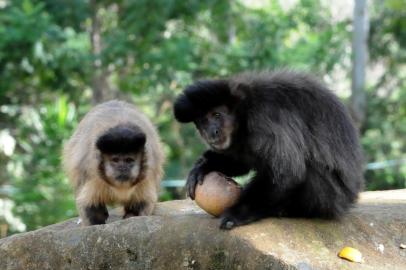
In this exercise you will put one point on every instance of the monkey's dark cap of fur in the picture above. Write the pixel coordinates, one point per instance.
(197, 99)
(121, 140)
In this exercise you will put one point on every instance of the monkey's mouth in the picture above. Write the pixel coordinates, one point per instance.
(216, 141)
(123, 178)
(220, 143)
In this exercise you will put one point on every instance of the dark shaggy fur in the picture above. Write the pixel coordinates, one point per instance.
(121, 139)
(293, 133)
(197, 99)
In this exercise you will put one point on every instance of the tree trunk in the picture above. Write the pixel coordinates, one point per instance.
(359, 58)
(100, 86)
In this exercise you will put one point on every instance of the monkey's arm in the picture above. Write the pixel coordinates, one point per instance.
(212, 161)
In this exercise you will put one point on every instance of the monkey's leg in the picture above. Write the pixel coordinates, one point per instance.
(94, 214)
(325, 194)
(260, 198)
(138, 209)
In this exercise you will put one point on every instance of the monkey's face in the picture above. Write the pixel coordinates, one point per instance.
(217, 127)
(122, 169)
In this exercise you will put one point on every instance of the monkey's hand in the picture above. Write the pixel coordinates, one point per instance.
(196, 176)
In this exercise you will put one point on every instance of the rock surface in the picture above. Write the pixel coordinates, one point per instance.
(181, 236)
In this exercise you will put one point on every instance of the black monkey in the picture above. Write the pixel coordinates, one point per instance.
(290, 130)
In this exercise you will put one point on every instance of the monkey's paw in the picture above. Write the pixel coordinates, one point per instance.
(196, 176)
(227, 223)
(230, 220)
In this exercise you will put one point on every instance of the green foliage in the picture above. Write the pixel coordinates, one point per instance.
(42, 193)
(151, 50)
(384, 131)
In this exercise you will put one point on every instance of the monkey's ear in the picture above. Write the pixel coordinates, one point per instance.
(120, 140)
(199, 98)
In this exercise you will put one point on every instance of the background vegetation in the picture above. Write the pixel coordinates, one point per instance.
(57, 58)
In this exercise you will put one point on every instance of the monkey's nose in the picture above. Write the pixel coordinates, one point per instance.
(214, 134)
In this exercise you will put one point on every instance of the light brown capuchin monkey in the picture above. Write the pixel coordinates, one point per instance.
(114, 157)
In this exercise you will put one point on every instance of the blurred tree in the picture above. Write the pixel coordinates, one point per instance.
(384, 131)
(42, 66)
(359, 60)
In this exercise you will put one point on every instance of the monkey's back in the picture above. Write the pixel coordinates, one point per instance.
(300, 121)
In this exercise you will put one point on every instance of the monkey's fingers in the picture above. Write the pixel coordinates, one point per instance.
(196, 175)
(200, 177)
(191, 184)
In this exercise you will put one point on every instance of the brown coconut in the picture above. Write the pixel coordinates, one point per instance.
(217, 193)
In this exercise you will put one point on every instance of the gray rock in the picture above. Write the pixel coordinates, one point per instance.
(181, 236)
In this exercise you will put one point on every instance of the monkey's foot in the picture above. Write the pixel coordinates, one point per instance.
(232, 218)
(141, 208)
(129, 215)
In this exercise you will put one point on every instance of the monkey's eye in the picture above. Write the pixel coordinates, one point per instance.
(115, 159)
(200, 121)
(129, 160)
(217, 115)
